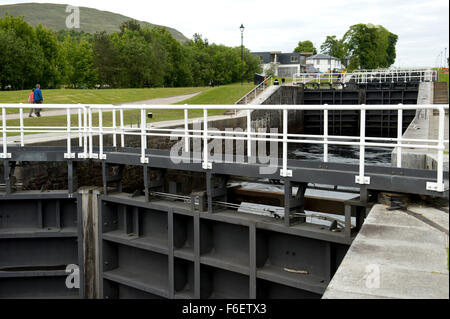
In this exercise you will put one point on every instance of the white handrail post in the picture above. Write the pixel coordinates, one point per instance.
(440, 186)
(91, 133)
(285, 172)
(361, 179)
(249, 134)
(22, 137)
(325, 135)
(187, 142)
(399, 137)
(144, 159)
(69, 154)
(5, 154)
(114, 128)
(206, 164)
(80, 134)
(122, 126)
(85, 155)
(101, 155)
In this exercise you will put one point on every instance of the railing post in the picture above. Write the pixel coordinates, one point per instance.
(114, 128)
(325, 135)
(399, 137)
(144, 159)
(187, 142)
(22, 137)
(91, 135)
(85, 154)
(122, 127)
(80, 124)
(69, 154)
(285, 172)
(101, 155)
(440, 186)
(5, 153)
(361, 179)
(249, 134)
(206, 164)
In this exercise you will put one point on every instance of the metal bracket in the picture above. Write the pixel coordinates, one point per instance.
(435, 187)
(83, 156)
(207, 165)
(69, 156)
(5, 156)
(362, 180)
(287, 173)
(93, 156)
(144, 160)
(102, 157)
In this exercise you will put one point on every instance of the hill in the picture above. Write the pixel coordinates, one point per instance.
(54, 16)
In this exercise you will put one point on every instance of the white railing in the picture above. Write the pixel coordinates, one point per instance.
(250, 96)
(319, 78)
(86, 130)
(370, 76)
(395, 75)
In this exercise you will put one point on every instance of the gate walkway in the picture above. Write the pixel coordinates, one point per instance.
(396, 254)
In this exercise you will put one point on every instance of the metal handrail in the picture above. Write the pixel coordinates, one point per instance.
(254, 91)
(85, 130)
(374, 76)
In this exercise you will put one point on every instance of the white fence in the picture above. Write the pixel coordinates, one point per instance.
(85, 130)
(370, 76)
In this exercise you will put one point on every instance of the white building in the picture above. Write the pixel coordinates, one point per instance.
(283, 64)
(324, 63)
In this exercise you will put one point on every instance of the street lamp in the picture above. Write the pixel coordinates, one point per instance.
(242, 28)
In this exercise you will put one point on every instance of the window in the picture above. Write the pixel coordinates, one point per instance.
(294, 59)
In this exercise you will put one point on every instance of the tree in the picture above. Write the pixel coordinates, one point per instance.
(21, 57)
(334, 47)
(106, 60)
(53, 65)
(130, 25)
(373, 46)
(305, 46)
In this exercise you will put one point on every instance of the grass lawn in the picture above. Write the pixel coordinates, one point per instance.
(222, 95)
(443, 77)
(111, 96)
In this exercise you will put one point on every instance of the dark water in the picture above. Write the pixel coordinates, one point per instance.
(375, 156)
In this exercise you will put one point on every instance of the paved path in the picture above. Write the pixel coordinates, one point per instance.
(396, 255)
(159, 101)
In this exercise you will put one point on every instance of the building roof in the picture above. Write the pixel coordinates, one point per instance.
(321, 56)
(282, 58)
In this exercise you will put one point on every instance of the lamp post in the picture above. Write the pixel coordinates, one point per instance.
(242, 28)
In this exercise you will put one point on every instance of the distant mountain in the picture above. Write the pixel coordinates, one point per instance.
(54, 17)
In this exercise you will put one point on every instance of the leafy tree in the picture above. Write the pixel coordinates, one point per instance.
(334, 47)
(53, 66)
(305, 46)
(21, 57)
(130, 25)
(106, 60)
(374, 46)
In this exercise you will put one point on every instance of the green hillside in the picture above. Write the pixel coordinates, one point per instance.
(54, 17)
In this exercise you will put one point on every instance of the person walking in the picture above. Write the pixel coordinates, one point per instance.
(38, 99)
(31, 101)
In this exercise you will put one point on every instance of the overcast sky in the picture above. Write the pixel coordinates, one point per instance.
(422, 25)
